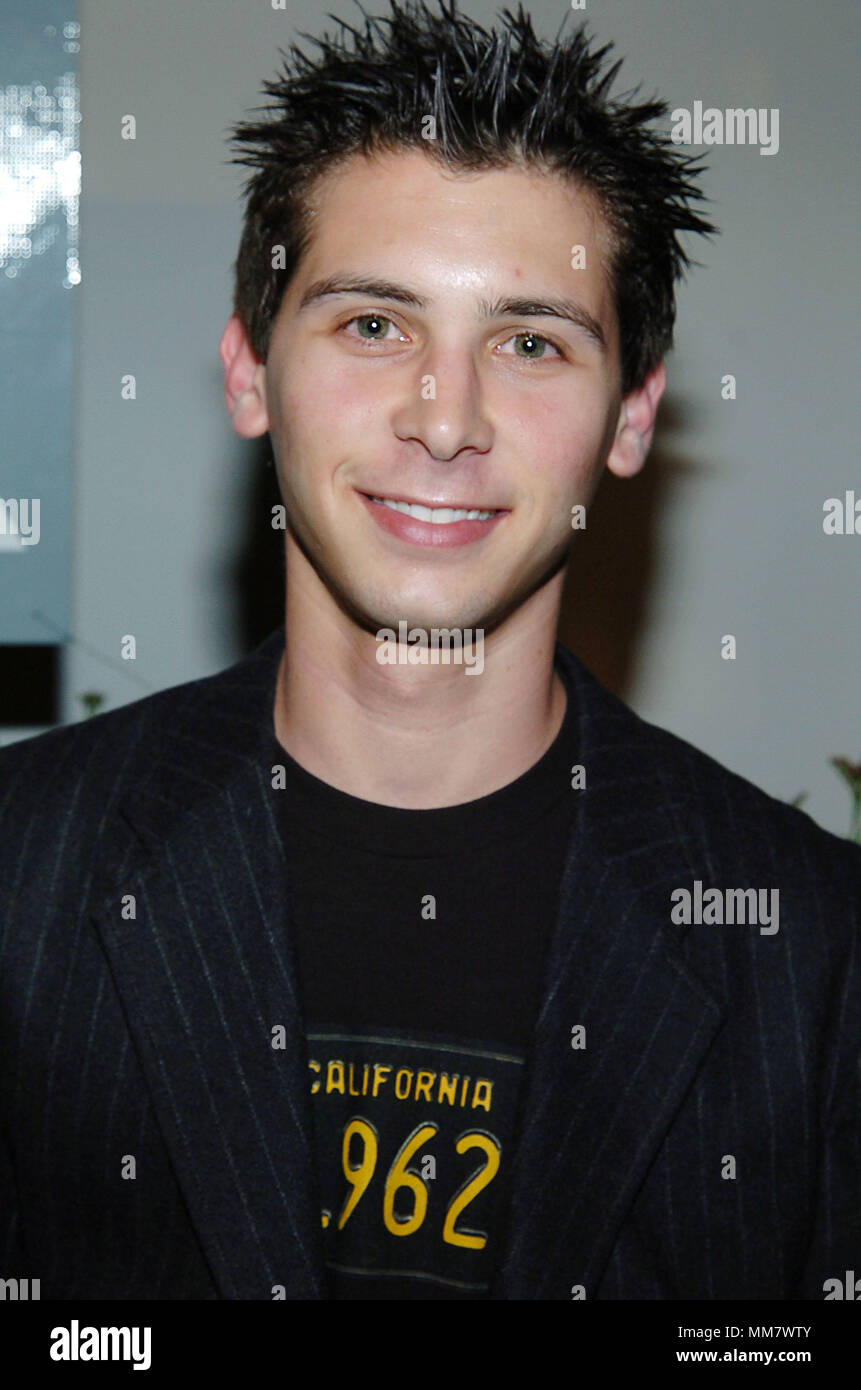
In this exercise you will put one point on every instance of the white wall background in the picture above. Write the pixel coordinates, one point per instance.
(160, 482)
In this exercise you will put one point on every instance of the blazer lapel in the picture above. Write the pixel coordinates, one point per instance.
(593, 1117)
(206, 972)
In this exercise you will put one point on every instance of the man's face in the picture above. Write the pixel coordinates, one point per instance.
(434, 402)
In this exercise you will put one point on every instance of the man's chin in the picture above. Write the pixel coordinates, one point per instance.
(374, 606)
(400, 623)
(375, 617)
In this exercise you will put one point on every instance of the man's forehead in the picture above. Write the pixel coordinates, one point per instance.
(530, 219)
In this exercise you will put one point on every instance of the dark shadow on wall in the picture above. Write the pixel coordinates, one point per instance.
(605, 604)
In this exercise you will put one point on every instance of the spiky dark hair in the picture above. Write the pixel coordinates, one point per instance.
(499, 99)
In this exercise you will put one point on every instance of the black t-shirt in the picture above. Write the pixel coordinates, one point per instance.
(420, 940)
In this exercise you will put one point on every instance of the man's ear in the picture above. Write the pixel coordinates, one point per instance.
(244, 381)
(637, 425)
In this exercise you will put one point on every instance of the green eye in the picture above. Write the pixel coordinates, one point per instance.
(533, 338)
(369, 319)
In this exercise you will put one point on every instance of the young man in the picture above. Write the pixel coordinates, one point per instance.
(390, 964)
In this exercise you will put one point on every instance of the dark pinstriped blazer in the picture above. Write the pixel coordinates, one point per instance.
(151, 1037)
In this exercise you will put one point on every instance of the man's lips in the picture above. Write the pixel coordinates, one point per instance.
(437, 525)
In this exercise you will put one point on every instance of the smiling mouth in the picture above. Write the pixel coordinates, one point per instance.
(437, 516)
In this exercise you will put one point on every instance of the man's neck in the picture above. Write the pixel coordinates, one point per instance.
(420, 736)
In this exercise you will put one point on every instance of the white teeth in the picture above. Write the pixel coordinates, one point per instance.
(438, 516)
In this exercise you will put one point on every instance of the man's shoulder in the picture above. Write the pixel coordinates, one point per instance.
(637, 764)
(101, 756)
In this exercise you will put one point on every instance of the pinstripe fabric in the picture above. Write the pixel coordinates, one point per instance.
(151, 1037)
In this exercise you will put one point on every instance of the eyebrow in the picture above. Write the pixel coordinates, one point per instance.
(568, 309)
